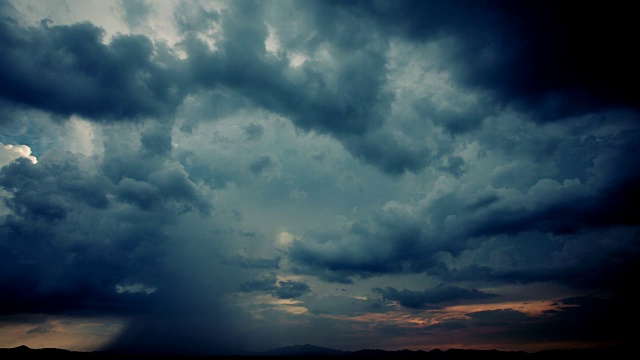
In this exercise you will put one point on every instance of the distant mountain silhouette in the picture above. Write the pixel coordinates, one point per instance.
(302, 350)
(24, 352)
(432, 354)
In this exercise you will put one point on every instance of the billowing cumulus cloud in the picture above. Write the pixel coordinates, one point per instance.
(475, 207)
(12, 152)
(78, 74)
(211, 177)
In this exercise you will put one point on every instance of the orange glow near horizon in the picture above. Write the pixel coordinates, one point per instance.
(402, 316)
(534, 308)
(417, 323)
(76, 334)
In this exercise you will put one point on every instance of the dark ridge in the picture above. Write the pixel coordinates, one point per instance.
(302, 350)
(24, 352)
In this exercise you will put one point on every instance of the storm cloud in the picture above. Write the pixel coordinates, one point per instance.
(430, 297)
(213, 177)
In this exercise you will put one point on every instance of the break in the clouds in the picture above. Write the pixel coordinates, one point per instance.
(213, 177)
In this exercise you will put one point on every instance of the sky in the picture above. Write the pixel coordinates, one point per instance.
(211, 177)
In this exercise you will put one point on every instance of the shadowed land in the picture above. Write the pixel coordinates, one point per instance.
(24, 352)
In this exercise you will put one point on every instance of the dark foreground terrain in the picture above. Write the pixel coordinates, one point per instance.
(23, 352)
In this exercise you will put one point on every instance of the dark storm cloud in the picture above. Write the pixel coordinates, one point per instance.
(244, 65)
(343, 96)
(531, 55)
(325, 274)
(186, 320)
(265, 284)
(592, 317)
(597, 259)
(543, 57)
(406, 247)
(48, 244)
(575, 259)
(148, 177)
(130, 77)
(604, 199)
(66, 220)
(364, 250)
(388, 153)
(288, 289)
(164, 188)
(93, 236)
(585, 318)
(593, 195)
(48, 191)
(67, 69)
(431, 297)
(455, 120)
(394, 240)
(109, 234)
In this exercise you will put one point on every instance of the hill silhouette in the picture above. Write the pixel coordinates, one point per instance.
(24, 352)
